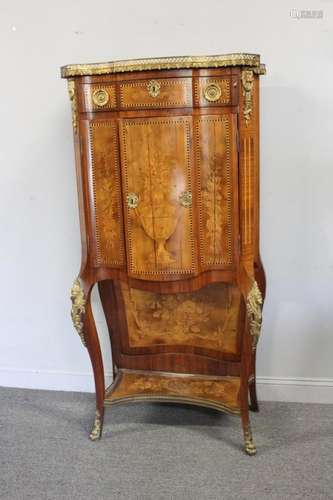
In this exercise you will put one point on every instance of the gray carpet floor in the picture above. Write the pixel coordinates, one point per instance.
(156, 451)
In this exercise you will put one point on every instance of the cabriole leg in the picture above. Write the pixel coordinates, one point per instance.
(253, 396)
(84, 323)
(249, 445)
(254, 303)
(254, 406)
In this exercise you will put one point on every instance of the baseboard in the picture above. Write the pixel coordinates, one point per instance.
(295, 390)
(52, 380)
(300, 390)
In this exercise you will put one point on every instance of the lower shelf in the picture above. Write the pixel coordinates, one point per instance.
(221, 393)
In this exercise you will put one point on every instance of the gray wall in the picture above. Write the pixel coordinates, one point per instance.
(40, 246)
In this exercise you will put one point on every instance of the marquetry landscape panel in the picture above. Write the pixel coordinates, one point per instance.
(107, 193)
(207, 318)
(214, 167)
(156, 170)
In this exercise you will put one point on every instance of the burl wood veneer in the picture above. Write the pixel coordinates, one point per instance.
(167, 161)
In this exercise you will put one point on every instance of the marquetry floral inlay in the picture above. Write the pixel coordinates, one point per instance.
(178, 386)
(157, 211)
(107, 204)
(222, 391)
(157, 168)
(206, 318)
(213, 150)
(107, 192)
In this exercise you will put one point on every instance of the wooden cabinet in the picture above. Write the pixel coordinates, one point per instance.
(167, 160)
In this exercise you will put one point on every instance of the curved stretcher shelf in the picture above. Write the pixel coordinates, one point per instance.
(220, 393)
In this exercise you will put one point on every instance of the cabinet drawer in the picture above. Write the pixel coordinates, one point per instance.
(98, 97)
(212, 91)
(156, 93)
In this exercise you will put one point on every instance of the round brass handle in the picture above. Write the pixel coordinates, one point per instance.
(212, 92)
(100, 97)
(185, 199)
(132, 200)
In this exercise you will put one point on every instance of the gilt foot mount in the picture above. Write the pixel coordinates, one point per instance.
(96, 431)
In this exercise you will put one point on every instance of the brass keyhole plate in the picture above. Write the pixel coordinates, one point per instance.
(132, 200)
(154, 88)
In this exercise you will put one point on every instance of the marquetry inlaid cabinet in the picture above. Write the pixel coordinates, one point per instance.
(167, 162)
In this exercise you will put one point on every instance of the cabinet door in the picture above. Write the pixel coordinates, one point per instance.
(157, 191)
(216, 160)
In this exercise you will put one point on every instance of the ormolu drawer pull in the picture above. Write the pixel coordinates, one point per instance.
(212, 92)
(132, 200)
(185, 199)
(100, 97)
(154, 88)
